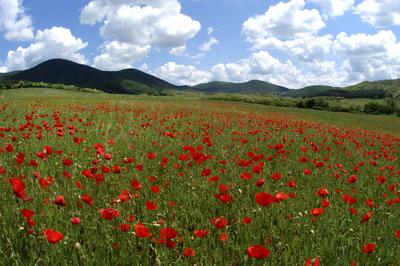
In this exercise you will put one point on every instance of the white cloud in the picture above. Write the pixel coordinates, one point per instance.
(307, 48)
(283, 21)
(117, 56)
(144, 67)
(182, 74)
(334, 8)
(3, 69)
(57, 42)
(205, 47)
(263, 66)
(210, 30)
(151, 22)
(16, 25)
(369, 57)
(260, 65)
(178, 51)
(380, 13)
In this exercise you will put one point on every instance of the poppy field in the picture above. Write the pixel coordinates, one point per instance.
(126, 182)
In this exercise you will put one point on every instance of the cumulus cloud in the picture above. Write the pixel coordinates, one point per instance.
(3, 69)
(307, 48)
(263, 66)
(182, 74)
(139, 25)
(140, 22)
(116, 55)
(178, 51)
(380, 13)
(205, 47)
(369, 57)
(283, 21)
(16, 25)
(210, 30)
(334, 8)
(260, 65)
(57, 42)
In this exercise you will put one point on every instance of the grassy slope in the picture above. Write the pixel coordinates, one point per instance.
(389, 124)
(252, 86)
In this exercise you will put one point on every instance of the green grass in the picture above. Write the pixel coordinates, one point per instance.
(194, 140)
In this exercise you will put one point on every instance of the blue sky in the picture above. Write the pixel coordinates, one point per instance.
(293, 43)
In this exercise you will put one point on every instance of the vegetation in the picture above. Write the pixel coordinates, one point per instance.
(250, 87)
(116, 180)
(57, 73)
(388, 107)
(128, 81)
(8, 84)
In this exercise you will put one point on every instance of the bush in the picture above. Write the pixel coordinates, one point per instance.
(387, 108)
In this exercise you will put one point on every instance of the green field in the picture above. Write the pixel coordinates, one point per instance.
(99, 179)
(385, 123)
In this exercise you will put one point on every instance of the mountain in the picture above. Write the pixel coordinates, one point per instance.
(366, 89)
(133, 81)
(252, 86)
(309, 91)
(5, 75)
(390, 87)
(127, 81)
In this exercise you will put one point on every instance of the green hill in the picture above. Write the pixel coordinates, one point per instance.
(133, 81)
(128, 81)
(309, 91)
(367, 89)
(5, 75)
(252, 86)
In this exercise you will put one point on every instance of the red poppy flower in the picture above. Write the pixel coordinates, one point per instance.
(276, 176)
(307, 171)
(317, 212)
(368, 248)
(201, 233)
(246, 220)
(18, 187)
(369, 203)
(59, 200)
(75, 220)
(257, 252)
(67, 162)
(225, 198)
(260, 182)
(220, 222)
(52, 236)
(142, 231)
(264, 199)
(223, 237)
(151, 155)
(366, 217)
(189, 252)
(124, 196)
(309, 262)
(155, 189)
(323, 192)
(135, 184)
(292, 183)
(109, 213)
(280, 196)
(150, 206)
(397, 234)
(168, 233)
(125, 227)
(352, 179)
(87, 199)
(27, 213)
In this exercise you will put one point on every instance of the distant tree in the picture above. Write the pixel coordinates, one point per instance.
(309, 103)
